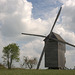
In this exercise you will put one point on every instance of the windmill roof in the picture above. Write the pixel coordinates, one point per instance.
(55, 36)
(58, 37)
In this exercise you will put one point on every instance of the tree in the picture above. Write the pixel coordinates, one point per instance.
(30, 63)
(10, 53)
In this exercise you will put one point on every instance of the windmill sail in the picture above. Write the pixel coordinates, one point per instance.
(56, 19)
(34, 35)
(63, 42)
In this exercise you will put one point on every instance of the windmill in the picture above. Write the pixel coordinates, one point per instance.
(54, 49)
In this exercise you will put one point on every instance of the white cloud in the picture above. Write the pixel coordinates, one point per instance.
(68, 2)
(2, 1)
(68, 18)
(1, 47)
(19, 19)
(70, 62)
(33, 48)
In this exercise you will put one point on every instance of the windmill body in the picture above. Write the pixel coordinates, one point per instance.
(54, 52)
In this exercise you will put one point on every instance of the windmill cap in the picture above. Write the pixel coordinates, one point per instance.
(55, 36)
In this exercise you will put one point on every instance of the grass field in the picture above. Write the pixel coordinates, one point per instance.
(36, 72)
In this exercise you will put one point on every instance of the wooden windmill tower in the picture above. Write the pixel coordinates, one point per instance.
(54, 49)
(54, 52)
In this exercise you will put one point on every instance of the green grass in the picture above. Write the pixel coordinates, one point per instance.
(36, 72)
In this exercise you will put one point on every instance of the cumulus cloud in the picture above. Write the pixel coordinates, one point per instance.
(12, 15)
(16, 18)
(70, 62)
(68, 18)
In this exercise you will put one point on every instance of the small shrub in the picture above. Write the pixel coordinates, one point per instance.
(2, 66)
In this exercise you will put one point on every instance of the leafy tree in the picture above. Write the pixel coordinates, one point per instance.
(10, 53)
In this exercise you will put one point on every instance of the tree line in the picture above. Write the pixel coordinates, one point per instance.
(11, 53)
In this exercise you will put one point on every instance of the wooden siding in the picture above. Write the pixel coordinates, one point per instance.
(51, 53)
(54, 54)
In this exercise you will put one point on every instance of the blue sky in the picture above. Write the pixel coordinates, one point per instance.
(41, 7)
